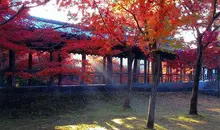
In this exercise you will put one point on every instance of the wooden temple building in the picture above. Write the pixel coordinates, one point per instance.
(107, 75)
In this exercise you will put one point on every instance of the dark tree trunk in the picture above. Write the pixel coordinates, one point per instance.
(194, 97)
(156, 80)
(11, 69)
(129, 90)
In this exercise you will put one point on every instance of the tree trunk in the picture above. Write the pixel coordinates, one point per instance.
(194, 97)
(129, 90)
(156, 79)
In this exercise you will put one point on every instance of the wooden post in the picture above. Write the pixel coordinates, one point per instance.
(171, 73)
(104, 70)
(109, 69)
(11, 77)
(83, 69)
(181, 73)
(2, 73)
(51, 80)
(121, 70)
(135, 71)
(148, 71)
(145, 70)
(60, 75)
(161, 72)
(29, 66)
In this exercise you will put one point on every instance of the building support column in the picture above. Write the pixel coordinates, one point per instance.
(51, 80)
(104, 69)
(60, 75)
(135, 71)
(83, 69)
(11, 69)
(30, 66)
(148, 70)
(121, 70)
(145, 70)
(109, 69)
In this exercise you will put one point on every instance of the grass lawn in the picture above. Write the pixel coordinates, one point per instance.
(102, 111)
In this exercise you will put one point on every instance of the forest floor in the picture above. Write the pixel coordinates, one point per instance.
(103, 111)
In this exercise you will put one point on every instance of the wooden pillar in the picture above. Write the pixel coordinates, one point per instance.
(2, 73)
(148, 71)
(135, 71)
(104, 69)
(29, 66)
(51, 80)
(145, 70)
(83, 69)
(121, 70)
(181, 72)
(11, 69)
(161, 72)
(191, 75)
(109, 69)
(60, 75)
(171, 74)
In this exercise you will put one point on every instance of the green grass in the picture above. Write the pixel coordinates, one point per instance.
(101, 111)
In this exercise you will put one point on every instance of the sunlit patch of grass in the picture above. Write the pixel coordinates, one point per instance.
(131, 118)
(111, 126)
(187, 119)
(159, 127)
(80, 127)
(185, 126)
(118, 121)
(214, 109)
(129, 126)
